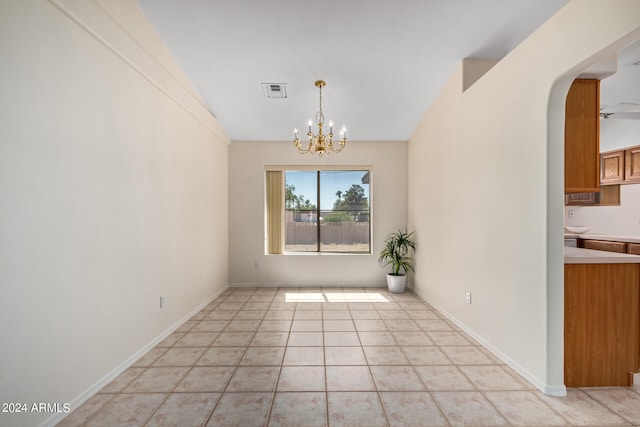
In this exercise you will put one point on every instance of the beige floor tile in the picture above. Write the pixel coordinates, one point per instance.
(338, 339)
(200, 315)
(394, 315)
(412, 338)
(305, 339)
(275, 326)
(122, 380)
(448, 338)
(423, 314)
(233, 339)
(523, 408)
(196, 339)
(184, 409)
(385, 356)
(349, 378)
(221, 356)
(623, 401)
(365, 315)
(263, 356)
(299, 409)
(186, 326)
(307, 315)
(301, 378)
(360, 306)
(309, 306)
(242, 325)
(170, 340)
(468, 409)
(425, 355)
(206, 379)
(303, 356)
(279, 314)
(336, 315)
(370, 325)
(396, 378)
(334, 305)
(269, 339)
(444, 378)
(338, 325)
(237, 298)
(210, 326)
(157, 380)
(254, 378)
(582, 410)
(250, 314)
(412, 409)
(306, 326)
(377, 338)
(344, 356)
(149, 357)
(180, 356)
(466, 355)
(355, 409)
(402, 325)
(221, 315)
(282, 306)
(127, 409)
(241, 409)
(492, 378)
(380, 306)
(262, 306)
(79, 416)
(434, 325)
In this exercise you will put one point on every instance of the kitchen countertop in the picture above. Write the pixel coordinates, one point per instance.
(589, 236)
(590, 256)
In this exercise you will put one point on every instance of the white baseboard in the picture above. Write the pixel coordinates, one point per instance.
(308, 285)
(88, 393)
(532, 379)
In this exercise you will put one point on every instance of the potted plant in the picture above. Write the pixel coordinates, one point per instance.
(397, 247)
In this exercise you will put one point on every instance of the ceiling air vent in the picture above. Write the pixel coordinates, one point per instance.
(275, 90)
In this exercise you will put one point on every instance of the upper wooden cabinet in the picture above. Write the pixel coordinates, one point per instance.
(632, 164)
(612, 167)
(582, 137)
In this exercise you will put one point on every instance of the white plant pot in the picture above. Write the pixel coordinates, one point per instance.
(396, 284)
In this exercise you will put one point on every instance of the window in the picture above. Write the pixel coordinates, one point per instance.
(324, 211)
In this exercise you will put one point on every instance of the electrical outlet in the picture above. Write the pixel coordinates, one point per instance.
(571, 213)
(468, 297)
(161, 302)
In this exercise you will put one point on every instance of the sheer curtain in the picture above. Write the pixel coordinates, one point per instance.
(275, 211)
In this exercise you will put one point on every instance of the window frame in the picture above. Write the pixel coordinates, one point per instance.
(319, 169)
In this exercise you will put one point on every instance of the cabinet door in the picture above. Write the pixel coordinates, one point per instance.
(632, 164)
(582, 137)
(612, 167)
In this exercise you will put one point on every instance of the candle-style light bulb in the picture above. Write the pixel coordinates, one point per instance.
(310, 122)
(330, 126)
(295, 132)
(343, 132)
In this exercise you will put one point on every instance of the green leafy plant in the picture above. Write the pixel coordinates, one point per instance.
(397, 247)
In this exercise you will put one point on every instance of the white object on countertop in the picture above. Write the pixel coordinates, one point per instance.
(577, 229)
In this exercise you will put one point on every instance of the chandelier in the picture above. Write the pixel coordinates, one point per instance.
(320, 143)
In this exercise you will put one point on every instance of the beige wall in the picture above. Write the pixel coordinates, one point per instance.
(497, 150)
(113, 191)
(247, 161)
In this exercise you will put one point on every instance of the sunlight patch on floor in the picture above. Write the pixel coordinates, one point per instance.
(335, 297)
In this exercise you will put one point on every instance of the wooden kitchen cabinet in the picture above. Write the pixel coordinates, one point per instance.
(612, 167)
(582, 137)
(601, 324)
(632, 164)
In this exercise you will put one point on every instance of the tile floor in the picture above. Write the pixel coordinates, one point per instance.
(334, 357)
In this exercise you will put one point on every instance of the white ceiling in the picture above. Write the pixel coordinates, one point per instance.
(384, 61)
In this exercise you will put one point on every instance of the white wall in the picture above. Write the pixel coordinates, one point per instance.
(113, 191)
(497, 151)
(247, 161)
(623, 220)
